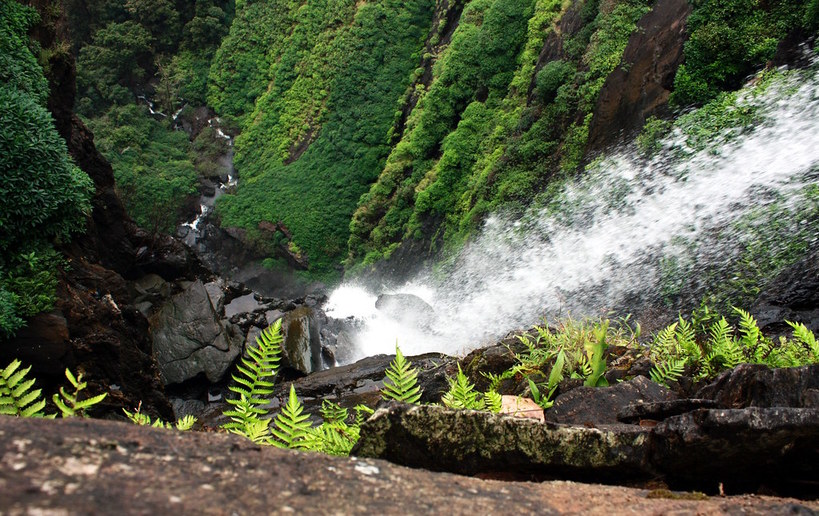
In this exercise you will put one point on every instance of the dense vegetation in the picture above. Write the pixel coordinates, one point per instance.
(318, 135)
(45, 197)
(130, 51)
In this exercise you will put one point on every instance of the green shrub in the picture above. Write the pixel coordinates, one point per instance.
(551, 77)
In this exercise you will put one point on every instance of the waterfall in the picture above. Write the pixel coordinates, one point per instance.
(629, 231)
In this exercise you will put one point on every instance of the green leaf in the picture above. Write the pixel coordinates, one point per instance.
(401, 383)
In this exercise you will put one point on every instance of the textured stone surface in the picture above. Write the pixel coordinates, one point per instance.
(472, 442)
(769, 446)
(189, 339)
(750, 385)
(600, 405)
(241, 305)
(642, 86)
(103, 467)
(302, 341)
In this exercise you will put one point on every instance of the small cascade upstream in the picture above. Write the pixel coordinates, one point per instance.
(191, 231)
(613, 239)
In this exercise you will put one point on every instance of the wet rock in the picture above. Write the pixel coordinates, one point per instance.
(493, 359)
(659, 410)
(600, 405)
(793, 295)
(471, 442)
(772, 446)
(406, 308)
(301, 348)
(640, 88)
(182, 407)
(760, 386)
(152, 284)
(106, 462)
(242, 305)
(216, 293)
(189, 338)
(272, 316)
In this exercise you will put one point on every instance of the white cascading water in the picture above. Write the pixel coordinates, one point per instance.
(597, 245)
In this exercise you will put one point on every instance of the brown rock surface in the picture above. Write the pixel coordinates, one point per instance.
(103, 467)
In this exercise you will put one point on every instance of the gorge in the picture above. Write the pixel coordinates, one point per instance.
(439, 176)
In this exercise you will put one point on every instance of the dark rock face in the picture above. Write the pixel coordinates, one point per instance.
(189, 338)
(633, 92)
(740, 448)
(472, 442)
(600, 405)
(92, 467)
(772, 446)
(760, 386)
(793, 295)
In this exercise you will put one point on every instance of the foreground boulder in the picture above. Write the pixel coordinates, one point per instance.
(740, 449)
(92, 467)
(471, 442)
(749, 385)
(189, 338)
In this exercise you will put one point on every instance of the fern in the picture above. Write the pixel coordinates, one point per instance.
(255, 383)
(17, 398)
(724, 350)
(69, 403)
(291, 427)
(401, 383)
(751, 338)
(670, 371)
(462, 394)
(493, 401)
(139, 418)
(332, 412)
(805, 338)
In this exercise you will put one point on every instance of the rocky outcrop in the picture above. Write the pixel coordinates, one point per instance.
(793, 295)
(471, 442)
(189, 339)
(641, 86)
(740, 449)
(600, 405)
(407, 309)
(750, 385)
(91, 467)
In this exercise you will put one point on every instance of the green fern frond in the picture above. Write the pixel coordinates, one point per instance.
(595, 351)
(670, 371)
(401, 383)
(360, 411)
(805, 337)
(291, 427)
(69, 403)
(493, 401)
(462, 394)
(185, 423)
(750, 336)
(257, 370)
(332, 412)
(17, 398)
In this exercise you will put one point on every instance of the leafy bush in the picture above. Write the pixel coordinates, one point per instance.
(45, 197)
(728, 39)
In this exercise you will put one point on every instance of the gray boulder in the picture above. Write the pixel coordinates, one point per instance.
(189, 339)
(406, 308)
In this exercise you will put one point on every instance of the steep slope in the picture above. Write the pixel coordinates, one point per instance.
(318, 135)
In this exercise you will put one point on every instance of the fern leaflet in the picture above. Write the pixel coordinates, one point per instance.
(401, 383)
(17, 398)
(291, 427)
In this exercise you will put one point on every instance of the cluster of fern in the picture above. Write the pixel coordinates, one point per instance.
(18, 397)
(575, 349)
(291, 428)
(708, 347)
(401, 384)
